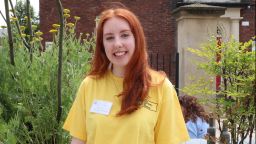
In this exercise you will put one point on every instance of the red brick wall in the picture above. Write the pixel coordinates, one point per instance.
(248, 14)
(155, 16)
(86, 10)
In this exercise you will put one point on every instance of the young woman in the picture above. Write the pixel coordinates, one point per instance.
(123, 101)
(195, 117)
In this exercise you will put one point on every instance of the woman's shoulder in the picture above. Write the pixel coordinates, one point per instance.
(198, 123)
(201, 121)
(157, 77)
(88, 80)
(95, 79)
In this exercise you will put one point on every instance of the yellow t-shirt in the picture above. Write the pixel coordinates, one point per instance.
(159, 120)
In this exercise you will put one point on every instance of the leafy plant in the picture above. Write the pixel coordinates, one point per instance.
(235, 100)
(28, 90)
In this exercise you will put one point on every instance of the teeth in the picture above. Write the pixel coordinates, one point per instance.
(119, 53)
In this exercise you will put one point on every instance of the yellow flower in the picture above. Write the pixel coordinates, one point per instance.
(22, 28)
(34, 27)
(66, 15)
(23, 35)
(70, 25)
(71, 30)
(218, 63)
(40, 38)
(3, 27)
(66, 11)
(56, 25)
(14, 19)
(38, 33)
(76, 17)
(37, 39)
(53, 31)
(26, 17)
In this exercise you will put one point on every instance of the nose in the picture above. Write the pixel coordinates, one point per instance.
(118, 43)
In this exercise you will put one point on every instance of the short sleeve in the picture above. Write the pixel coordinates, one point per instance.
(76, 119)
(170, 127)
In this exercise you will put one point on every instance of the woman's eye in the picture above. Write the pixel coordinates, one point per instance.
(124, 35)
(109, 38)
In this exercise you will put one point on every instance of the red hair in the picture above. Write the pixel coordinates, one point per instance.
(136, 78)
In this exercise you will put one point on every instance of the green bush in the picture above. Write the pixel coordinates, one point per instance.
(235, 100)
(28, 90)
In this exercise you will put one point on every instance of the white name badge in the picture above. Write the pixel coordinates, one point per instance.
(101, 107)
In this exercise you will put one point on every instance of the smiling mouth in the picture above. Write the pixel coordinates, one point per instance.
(120, 53)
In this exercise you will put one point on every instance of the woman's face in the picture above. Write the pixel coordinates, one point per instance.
(118, 41)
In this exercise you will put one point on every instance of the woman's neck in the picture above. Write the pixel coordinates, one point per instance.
(118, 71)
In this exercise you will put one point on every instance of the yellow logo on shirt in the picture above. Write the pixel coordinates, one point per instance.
(152, 106)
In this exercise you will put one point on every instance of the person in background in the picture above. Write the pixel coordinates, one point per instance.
(122, 100)
(195, 117)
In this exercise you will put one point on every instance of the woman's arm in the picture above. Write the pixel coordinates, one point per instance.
(77, 141)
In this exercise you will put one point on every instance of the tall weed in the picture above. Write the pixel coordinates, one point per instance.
(28, 90)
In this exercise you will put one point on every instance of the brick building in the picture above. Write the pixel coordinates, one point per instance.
(156, 17)
(248, 14)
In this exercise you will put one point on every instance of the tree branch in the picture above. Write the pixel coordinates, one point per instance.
(61, 30)
(18, 27)
(9, 29)
(30, 30)
(3, 16)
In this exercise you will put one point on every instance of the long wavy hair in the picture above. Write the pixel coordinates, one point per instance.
(136, 77)
(192, 109)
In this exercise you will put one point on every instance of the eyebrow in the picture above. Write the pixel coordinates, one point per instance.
(120, 32)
